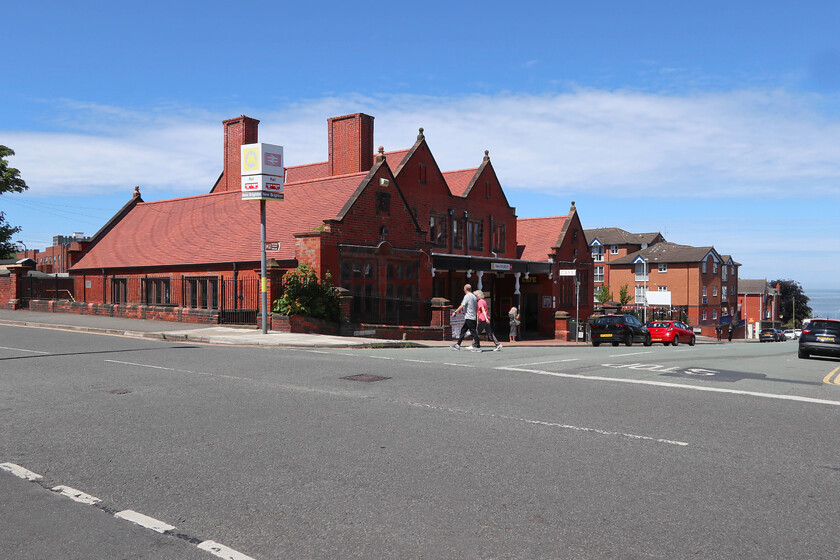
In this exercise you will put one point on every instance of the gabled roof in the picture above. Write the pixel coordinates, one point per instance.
(217, 228)
(618, 236)
(666, 252)
(459, 181)
(321, 169)
(754, 286)
(536, 238)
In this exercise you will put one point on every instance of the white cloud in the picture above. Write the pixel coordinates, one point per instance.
(627, 143)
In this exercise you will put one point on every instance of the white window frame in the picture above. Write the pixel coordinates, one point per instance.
(703, 316)
(704, 291)
(662, 288)
(599, 274)
(663, 268)
(613, 249)
(714, 291)
(598, 253)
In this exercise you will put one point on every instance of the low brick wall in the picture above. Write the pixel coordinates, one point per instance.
(301, 324)
(138, 311)
(394, 332)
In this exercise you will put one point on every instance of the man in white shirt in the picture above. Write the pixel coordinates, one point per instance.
(470, 307)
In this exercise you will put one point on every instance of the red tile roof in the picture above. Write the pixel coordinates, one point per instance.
(217, 228)
(535, 237)
(459, 181)
(307, 172)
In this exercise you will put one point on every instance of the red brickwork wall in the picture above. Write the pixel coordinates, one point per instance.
(238, 131)
(149, 312)
(350, 143)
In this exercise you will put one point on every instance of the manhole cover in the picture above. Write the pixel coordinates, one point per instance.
(119, 392)
(365, 378)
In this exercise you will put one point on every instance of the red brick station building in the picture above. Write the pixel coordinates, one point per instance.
(397, 233)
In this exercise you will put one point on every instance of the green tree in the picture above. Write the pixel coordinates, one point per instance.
(791, 296)
(304, 294)
(10, 181)
(624, 296)
(603, 294)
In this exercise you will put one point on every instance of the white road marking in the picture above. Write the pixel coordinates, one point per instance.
(548, 362)
(382, 357)
(222, 551)
(180, 370)
(20, 472)
(631, 354)
(674, 386)
(22, 350)
(144, 521)
(76, 495)
(417, 361)
(550, 424)
(459, 365)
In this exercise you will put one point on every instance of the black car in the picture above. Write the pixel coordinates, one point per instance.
(619, 328)
(821, 337)
(771, 335)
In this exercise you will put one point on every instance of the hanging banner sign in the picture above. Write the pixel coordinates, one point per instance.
(567, 272)
(500, 266)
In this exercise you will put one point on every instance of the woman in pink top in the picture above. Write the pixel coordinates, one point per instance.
(484, 320)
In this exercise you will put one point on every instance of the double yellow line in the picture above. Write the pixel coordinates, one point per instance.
(835, 374)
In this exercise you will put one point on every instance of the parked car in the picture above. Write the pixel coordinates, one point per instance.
(771, 335)
(671, 332)
(619, 328)
(790, 334)
(821, 337)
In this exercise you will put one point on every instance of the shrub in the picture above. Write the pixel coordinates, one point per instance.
(304, 294)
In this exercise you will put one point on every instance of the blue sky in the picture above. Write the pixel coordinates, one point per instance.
(716, 123)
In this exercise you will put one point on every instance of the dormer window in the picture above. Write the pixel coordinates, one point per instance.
(598, 253)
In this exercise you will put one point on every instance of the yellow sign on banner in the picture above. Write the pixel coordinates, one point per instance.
(250, 160)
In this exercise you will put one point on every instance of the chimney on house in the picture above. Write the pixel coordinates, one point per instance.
(238, 131)
(351, 143)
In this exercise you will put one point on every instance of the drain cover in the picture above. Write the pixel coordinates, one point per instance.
(365, 378)
(119, 392)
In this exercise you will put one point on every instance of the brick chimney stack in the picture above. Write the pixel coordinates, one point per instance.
(238, 131)
(350, 143)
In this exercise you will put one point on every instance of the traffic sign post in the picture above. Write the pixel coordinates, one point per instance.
(263, 178)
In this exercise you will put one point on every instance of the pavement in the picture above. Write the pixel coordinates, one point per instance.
(234, 336)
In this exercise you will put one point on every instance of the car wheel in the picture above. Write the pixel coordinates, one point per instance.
(615, 343)
(648, 341)
(666, 344)
(676, 341)
(629, 340)
(692, 341)
(804, 354)
(595, 343)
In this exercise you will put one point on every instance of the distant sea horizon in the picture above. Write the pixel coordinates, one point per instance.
(824, 303)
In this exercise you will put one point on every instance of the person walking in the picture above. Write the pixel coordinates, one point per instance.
(470, 307)
(729, 334)
(513, 316)
(484, 320)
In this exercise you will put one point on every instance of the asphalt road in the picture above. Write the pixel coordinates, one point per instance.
(711, 451)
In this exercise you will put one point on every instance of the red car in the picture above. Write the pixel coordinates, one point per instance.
(671, 332)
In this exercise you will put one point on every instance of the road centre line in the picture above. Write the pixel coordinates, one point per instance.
(76, 495)
(180, 370)
(673, 385)
(22, 350)
(548, 424)
(631, 354)
(213, 547)
(459, 365)
(145, 521)
(20, 472)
